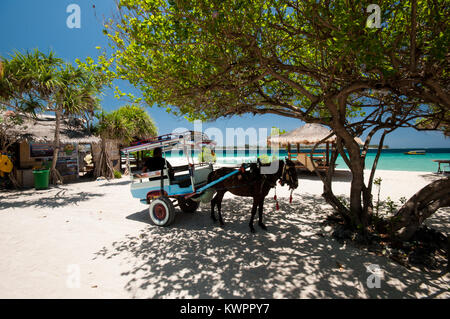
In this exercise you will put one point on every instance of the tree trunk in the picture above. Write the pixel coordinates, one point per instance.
(345, 138)
(419, 207)
(55, 175)
(356, 189)
(358, 214)
(404, 224)
(328, 194)
(104, 167)
(367, 192)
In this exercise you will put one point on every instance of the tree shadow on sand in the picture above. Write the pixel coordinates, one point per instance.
(440, 220)
(125, 182)
(51, 198)
(295, 258)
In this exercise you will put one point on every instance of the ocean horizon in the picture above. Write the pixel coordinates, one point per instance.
(390, 159)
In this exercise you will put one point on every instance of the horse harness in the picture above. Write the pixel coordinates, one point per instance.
(264, 179)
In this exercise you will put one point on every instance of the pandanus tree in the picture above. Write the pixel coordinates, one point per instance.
(126, 124)
(29, 84)
(35, 82)
(75, 96)
(316, 61)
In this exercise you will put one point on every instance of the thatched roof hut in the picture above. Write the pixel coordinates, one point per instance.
(42, 130)
(308, 134)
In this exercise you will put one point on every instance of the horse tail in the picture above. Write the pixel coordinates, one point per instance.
(210, 177)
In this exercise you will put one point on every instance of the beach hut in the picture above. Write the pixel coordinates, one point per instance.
(308, 134)
(34, 148)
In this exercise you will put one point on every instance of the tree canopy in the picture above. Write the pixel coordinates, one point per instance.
(219, 58)
(35, 81)
(126, 124)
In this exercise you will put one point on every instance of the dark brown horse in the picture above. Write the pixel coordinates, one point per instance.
(254, 184)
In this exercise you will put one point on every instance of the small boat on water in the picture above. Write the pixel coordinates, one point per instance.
(418, 152)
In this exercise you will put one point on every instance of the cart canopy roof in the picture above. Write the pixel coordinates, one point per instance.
(168, 142)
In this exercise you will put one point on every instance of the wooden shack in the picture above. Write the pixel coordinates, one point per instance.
(35, 148)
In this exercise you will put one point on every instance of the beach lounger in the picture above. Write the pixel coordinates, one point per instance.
(306, 161)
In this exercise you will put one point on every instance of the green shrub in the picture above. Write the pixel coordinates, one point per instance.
(117, 174)
(207, 156)
(266, 159)
(377, 182)
(390, 205)
(343, 200)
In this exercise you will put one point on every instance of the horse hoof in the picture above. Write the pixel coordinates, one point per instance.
(252, 230)
(263, 226)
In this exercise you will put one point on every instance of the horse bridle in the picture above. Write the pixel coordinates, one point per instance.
(285, 176)
(284, 179)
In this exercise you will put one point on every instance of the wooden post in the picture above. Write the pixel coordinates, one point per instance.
(328, 153)
(289, 151)
(127, 169)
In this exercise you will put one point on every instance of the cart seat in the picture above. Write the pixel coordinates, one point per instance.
(182, 181)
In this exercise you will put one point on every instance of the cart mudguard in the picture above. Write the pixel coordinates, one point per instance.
(140, 190)
(155, 194)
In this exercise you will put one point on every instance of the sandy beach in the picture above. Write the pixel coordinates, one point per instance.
(93, 240)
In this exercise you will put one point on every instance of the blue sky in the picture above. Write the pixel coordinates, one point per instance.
(29, 24)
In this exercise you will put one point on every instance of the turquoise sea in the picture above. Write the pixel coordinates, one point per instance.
(390, 159)
(396, 160)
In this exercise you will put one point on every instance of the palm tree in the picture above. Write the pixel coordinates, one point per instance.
(126, 124)
(28, 80)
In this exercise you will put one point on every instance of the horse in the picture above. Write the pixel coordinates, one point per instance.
(251, 184)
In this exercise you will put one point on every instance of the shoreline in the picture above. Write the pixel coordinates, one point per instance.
(237, 160)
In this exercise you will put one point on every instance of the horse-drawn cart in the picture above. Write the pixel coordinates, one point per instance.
(167, 188)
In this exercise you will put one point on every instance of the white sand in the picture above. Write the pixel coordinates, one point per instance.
(100, 230)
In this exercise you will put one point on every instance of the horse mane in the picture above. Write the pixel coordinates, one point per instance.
(275, 176)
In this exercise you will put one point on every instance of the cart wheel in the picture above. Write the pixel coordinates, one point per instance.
(187, 205)
(162, 212)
